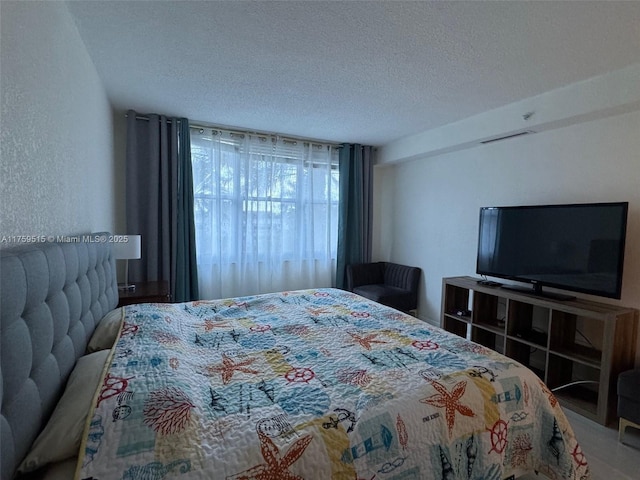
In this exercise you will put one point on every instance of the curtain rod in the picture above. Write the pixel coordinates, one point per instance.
(285, 138)
(247, 132)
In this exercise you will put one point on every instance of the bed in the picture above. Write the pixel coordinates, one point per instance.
(308, 384)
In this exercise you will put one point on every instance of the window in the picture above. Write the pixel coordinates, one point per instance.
(266, 213)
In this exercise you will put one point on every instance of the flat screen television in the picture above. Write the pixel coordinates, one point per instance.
(576, 247)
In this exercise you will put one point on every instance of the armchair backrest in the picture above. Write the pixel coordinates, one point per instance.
(388, 283)
(402, 276)
(364, 274)
(383, 273)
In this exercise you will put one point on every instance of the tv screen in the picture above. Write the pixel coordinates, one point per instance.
(578, 247)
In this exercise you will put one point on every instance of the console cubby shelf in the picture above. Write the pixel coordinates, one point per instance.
(576, 347)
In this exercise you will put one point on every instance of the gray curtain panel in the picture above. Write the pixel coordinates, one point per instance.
(355, 216)
(159, 193)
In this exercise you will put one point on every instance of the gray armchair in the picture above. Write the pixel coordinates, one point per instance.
(387, 283)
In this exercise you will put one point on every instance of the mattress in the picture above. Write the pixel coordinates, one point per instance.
(315, 384)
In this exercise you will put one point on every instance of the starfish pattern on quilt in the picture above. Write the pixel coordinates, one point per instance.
(210, 325)
(229, 367)
(366, 340)
(276, 466)
(449, 401)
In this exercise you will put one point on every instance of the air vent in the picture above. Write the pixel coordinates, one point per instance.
(513, 135)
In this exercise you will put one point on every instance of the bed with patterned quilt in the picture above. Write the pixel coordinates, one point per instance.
(315, 384)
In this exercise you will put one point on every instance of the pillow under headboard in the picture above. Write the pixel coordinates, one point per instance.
(51, 297)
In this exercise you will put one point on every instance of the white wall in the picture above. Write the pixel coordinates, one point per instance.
(120, 162)
(436, 200)
(57, 169)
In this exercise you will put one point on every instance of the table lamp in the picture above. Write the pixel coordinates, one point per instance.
(126, 251)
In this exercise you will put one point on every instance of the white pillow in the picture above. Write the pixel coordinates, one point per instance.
(62, 435)
(106, 331)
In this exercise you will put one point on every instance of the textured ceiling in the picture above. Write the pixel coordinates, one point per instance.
(366, 72)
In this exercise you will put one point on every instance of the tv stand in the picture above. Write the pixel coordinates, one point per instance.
(537, 291)
(576, 347)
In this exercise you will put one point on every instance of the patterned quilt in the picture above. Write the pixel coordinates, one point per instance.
(316, 384)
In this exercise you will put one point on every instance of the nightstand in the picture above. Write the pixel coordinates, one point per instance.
(145, 292)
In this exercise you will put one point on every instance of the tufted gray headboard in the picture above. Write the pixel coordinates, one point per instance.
(51, 297)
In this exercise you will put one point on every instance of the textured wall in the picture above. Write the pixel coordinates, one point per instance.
(56, 153)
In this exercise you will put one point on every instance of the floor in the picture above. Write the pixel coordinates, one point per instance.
(608, 459)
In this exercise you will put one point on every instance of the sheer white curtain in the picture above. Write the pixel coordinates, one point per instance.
(266, 213)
